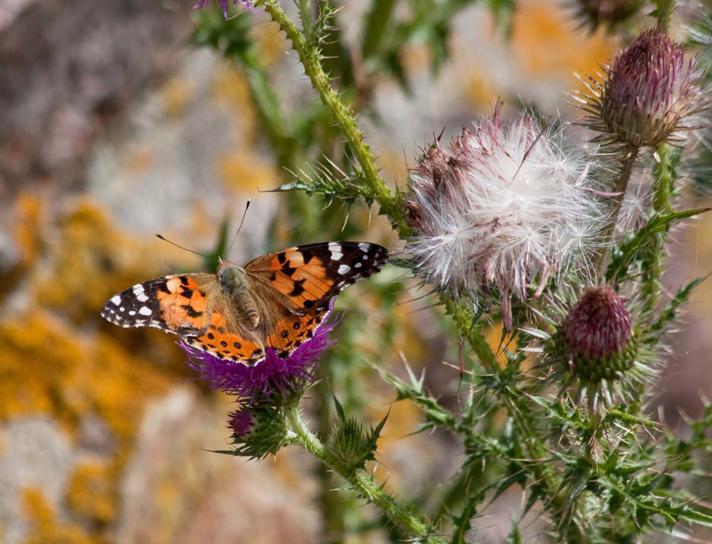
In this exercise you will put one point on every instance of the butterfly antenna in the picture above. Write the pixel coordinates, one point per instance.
(161, 237)
(239, 228)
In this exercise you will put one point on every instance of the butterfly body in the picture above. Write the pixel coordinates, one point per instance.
(235, 284)
(275, 301)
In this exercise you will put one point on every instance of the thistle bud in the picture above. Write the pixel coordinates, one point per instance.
(648, 96)
(258, 432)
(598, 333)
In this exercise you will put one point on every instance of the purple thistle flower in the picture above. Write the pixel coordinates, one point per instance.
(200, 4)
(271, 376)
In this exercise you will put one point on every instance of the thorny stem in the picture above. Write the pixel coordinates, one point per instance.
(620, 191)
(514, 402)
(309, 56)
(364, 484)
(652, 267)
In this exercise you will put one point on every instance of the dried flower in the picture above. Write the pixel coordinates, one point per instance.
(273, 380)
(502, 206)
(649, 95)
(200, 4)
(594, 13)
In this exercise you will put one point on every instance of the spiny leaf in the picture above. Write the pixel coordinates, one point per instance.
(670, 311)
(630, 250)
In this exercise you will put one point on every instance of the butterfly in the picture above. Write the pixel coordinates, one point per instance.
(275, 301)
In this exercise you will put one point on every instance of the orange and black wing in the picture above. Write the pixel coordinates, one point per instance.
(309, 276)
(177, 304)
(298, 284)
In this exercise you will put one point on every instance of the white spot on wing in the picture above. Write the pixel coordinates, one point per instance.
(116, 299)
(344, 269)
(335, 249)
(145, 310)
(358, 265)
(141, 297)
(132, 312)
(363, 246)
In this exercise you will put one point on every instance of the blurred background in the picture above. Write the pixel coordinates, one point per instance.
(114, 126)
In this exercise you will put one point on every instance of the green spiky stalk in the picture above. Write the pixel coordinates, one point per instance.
(364, 484)
(310, 58)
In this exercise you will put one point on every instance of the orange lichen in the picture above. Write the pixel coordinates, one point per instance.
(176, 95)
(25, 233)
(140, 161)
(546, 41)
(44, 526)
(231, 91)
(49, 365)
(91, 494)
(478, 89)
(247, 173)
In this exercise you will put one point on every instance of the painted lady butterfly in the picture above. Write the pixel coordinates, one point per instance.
(275, 301)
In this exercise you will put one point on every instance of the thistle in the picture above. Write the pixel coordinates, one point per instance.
(595, 348)
(501, 207)
(275, 381)
(650, 94)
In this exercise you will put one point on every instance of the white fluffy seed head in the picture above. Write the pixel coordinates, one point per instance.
(500, 207)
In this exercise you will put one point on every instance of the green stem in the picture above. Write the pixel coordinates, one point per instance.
(514, 401)
(309, 56)
(620, 191)
(364, 484)
(654, 256)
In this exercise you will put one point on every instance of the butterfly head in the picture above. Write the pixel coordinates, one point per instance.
(232, 277)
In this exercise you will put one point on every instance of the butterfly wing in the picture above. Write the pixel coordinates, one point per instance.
(292, 289)
(309, 276)
(297, 284)
(191, 306)
(176, 304)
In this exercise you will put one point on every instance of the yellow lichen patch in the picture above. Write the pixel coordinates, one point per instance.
(38, 368)
(140, 161)
(231, 90)
(45, 368)
(246, 172)
(44, 526)
(270, 43)
(27, 213)
(478, 89)
(126, 383)
(91, 494)
(176, 96)
(546, 42)
(91, 262)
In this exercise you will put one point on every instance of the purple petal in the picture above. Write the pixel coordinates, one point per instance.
(273, 374)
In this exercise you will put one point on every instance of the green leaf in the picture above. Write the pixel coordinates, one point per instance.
(669, 313)
(377, 20)
(631, 249)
